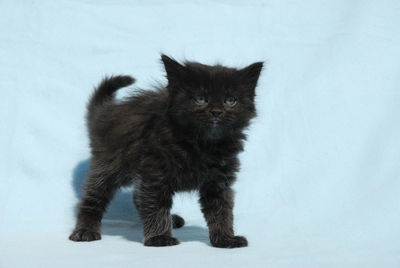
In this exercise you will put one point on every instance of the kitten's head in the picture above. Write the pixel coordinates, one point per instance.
(211, 101)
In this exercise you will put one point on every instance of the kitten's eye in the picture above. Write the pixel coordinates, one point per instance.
(200, 99)
(230, 101)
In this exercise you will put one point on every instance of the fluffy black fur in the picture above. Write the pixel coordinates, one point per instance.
(183, 137)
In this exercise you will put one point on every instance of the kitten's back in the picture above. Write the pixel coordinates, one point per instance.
(115, 124)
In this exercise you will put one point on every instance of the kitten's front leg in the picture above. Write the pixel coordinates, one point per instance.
(153, 203)
(216, 200)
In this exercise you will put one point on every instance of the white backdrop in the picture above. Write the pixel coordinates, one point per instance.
(320, 179)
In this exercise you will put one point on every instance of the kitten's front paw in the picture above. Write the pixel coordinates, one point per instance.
(229, 242)
(84, 235)
(161, 241)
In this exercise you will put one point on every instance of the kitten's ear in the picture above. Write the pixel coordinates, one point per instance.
(250, 74)
(175, 71)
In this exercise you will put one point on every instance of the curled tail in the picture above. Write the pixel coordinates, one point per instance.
(105, 91)
(177, 221)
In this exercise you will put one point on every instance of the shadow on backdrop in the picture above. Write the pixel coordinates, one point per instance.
(121, 217)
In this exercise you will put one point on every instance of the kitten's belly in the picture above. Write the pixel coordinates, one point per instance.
(190, 179)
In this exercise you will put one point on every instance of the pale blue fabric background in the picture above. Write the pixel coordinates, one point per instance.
(320, 179)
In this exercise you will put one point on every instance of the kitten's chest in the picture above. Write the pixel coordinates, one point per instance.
(199, 167)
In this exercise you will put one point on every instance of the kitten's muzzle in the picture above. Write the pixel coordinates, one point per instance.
(215, 121)
(216, 113)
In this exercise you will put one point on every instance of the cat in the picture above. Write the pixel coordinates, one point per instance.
(182, 137)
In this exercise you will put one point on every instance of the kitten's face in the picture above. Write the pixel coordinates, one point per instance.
(212, 100)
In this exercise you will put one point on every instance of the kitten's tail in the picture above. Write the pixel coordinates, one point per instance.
(106, 90)
(177, 221)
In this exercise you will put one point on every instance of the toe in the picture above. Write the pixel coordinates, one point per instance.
(84, 235)
(161, 241)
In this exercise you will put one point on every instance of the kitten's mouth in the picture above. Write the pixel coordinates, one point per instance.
(215, 121)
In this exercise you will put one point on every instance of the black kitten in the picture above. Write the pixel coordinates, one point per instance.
(184, 137)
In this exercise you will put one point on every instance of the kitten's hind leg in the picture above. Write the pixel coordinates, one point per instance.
(99, 189)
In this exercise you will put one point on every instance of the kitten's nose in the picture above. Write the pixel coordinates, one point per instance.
(216, 113)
